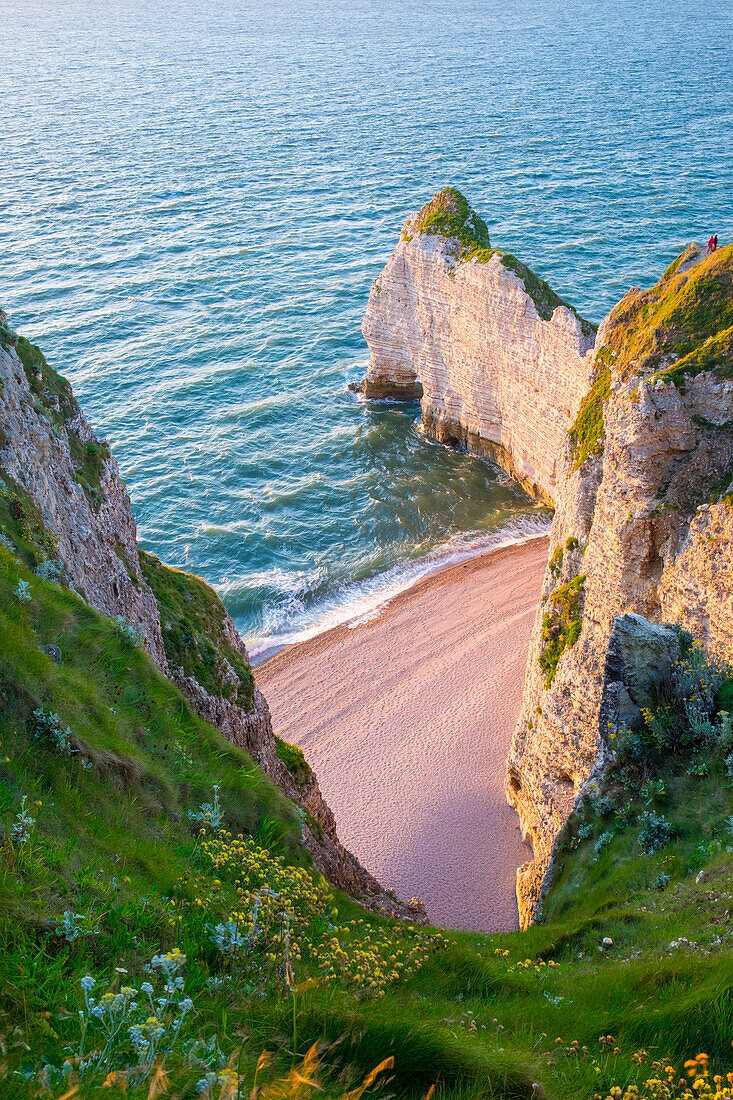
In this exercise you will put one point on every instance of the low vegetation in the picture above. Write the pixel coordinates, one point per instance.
(449, 215)
(192, 618)
(680, 326)
(715, 354)
(587, 434)
(293, 759)
(561, 625)
(546, 301)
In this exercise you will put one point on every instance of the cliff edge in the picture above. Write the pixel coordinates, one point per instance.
(500, 362)
(69, 513)
(642, 536)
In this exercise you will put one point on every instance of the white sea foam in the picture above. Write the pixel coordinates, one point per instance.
(360, 603)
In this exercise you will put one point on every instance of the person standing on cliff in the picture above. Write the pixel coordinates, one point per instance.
(711, 244)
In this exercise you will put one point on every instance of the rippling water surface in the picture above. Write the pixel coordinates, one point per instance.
(195, 197)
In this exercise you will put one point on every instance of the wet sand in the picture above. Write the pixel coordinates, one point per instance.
(407, 720)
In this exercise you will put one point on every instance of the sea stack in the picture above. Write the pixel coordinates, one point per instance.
(500, 362)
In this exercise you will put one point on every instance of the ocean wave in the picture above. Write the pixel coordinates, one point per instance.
(359, 603)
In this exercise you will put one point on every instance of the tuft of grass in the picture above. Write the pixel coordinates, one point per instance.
(293, 759)
(193, 623)
(561, 625)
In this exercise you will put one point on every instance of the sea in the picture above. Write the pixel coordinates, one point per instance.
(195, 197)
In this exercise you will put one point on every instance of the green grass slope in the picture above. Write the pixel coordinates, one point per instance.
(123, 865)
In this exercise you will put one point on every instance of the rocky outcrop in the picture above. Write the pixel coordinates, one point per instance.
(63, 485)
(498, 359)
(49, 451)
(643, 527)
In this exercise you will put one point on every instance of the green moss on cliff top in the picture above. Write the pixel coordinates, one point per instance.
(545, 299)
(449, 215)
(685, 316)
(192, 618)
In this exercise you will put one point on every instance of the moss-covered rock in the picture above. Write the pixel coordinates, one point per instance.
(682, 325)
(561, 625)
(194, 626)
(449, 215)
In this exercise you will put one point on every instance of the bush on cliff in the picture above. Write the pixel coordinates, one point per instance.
(449, 215)
(561, 625)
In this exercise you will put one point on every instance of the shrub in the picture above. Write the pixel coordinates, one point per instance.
(655, 832)
(293, 759)
(561, 625)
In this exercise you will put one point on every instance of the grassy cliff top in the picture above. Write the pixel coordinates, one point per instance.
(681, 325)
(450, 215)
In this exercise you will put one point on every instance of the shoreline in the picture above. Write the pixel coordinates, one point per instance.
(383, 598)
(407, 718)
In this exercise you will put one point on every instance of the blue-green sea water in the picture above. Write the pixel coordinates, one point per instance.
(196, 196)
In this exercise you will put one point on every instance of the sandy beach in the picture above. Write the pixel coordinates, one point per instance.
(407, 720)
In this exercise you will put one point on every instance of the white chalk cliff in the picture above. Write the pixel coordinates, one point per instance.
(501, 362)
(630, 434)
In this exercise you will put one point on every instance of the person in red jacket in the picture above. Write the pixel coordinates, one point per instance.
(711, 245)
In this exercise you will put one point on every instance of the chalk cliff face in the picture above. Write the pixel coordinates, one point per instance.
(501, 362)
(642, 535)
(63, 485)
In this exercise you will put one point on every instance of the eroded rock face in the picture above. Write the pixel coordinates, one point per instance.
(84, 506)
(497, 377)
(94, 529)
(634, 519)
